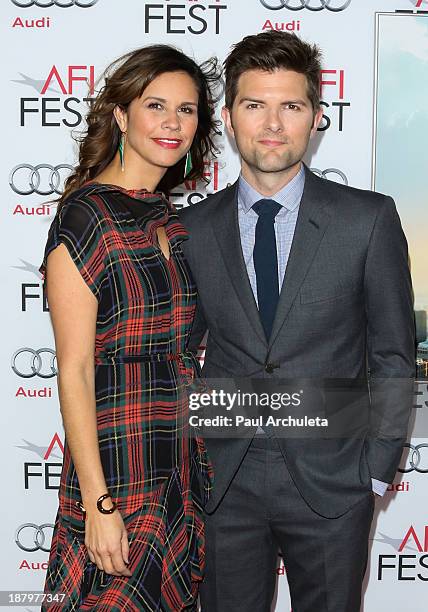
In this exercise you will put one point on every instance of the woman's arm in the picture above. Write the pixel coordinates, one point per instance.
(73, 309)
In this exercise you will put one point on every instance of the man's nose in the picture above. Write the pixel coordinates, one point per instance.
(274, 120)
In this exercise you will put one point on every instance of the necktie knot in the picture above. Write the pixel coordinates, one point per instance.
(268, 209)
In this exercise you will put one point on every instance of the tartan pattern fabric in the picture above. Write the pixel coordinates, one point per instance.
(155, 464)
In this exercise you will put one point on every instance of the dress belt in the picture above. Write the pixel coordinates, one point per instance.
(111, 358)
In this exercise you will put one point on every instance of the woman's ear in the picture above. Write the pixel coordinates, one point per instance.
(121, 118)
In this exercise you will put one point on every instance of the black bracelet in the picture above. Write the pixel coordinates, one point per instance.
(100, 507)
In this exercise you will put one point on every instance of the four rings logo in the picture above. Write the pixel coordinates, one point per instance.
(414, 460)
(49, 3)
(332, 174)
(335, 6)
(31, 537)
(27, 363)
(26, 179)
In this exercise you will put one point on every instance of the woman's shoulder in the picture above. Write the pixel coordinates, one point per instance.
(86, 205)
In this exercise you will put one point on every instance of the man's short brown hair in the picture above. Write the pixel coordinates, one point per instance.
(271, 51)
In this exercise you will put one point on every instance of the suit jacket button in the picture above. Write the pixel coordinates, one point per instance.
(269, 368)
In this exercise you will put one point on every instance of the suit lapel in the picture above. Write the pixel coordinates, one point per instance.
(226, 230)
(312, 222)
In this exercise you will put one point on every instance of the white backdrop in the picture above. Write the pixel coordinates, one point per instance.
(51, 48)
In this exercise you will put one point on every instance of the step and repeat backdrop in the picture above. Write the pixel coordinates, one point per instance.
(373, 135)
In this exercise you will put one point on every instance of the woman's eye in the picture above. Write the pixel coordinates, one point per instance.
(154, 105)
(187, 109)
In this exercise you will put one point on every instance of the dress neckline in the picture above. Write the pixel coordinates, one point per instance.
(137, 194)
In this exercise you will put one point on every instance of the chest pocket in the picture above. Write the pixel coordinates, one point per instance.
(328, 292)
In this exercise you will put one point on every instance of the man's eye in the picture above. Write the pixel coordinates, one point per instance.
(293, 107)
(253, 105)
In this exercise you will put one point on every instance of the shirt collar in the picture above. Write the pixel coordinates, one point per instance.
(288, 197)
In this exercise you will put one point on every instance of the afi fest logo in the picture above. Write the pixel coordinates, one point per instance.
(335, 6)
(191, 192)
(56, 103)
(333, 99)
(405, 567)
(193, 17)
(44, 471)
(33, 295)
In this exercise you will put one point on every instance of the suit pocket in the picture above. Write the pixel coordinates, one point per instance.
(327, 294)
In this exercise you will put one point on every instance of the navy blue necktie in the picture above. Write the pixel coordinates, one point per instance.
(266, 262)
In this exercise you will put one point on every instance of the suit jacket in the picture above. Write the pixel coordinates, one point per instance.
(345, 310)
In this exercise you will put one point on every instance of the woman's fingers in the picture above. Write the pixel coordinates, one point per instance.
(125, 546)
(119, 564)
(108, 565)
(91, 555)
(98, 561)
(107, 545)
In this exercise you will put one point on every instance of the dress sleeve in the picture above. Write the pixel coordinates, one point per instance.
(80, 226)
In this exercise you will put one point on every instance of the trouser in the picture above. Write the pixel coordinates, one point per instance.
(263, 513)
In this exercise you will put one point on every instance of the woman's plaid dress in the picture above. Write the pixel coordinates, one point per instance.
(155, 466)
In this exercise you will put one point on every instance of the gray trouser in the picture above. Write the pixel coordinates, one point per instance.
(262, 513)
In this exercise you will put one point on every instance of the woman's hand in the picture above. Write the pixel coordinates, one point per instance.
(106, 540)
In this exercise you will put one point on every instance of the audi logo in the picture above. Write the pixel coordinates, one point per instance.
(332, 172)
(414, 460)
(26, 183)
(59, 3)
(335, 6)
(27, 363)
(31, 537)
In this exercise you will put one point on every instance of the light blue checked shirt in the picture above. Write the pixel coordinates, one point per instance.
(289, 198)
(285, 222)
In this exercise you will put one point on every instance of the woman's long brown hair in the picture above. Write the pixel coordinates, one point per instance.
(124, 80)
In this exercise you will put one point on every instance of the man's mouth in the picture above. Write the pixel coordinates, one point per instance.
(269, 142)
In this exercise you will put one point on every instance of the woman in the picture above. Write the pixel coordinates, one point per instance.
(129, 533)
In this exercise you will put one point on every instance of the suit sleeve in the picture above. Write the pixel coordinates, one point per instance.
(390, 342)
(199, 329)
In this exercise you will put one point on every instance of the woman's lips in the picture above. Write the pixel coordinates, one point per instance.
(168, 143)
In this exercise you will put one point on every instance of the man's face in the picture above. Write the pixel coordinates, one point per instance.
(271, 120)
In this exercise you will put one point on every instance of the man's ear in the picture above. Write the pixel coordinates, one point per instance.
(226, 116)
(121, 118)
(317, 120)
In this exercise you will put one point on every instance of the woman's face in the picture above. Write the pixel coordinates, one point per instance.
(161, 124)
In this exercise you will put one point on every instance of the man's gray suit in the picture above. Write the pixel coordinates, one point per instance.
(345, 309)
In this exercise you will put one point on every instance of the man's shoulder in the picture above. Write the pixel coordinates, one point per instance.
(351, 199)
(201, 211)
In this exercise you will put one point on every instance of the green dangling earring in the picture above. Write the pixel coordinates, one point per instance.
(188, 166)
(122, 151)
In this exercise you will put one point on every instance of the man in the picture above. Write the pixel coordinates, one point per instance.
(297, 277)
